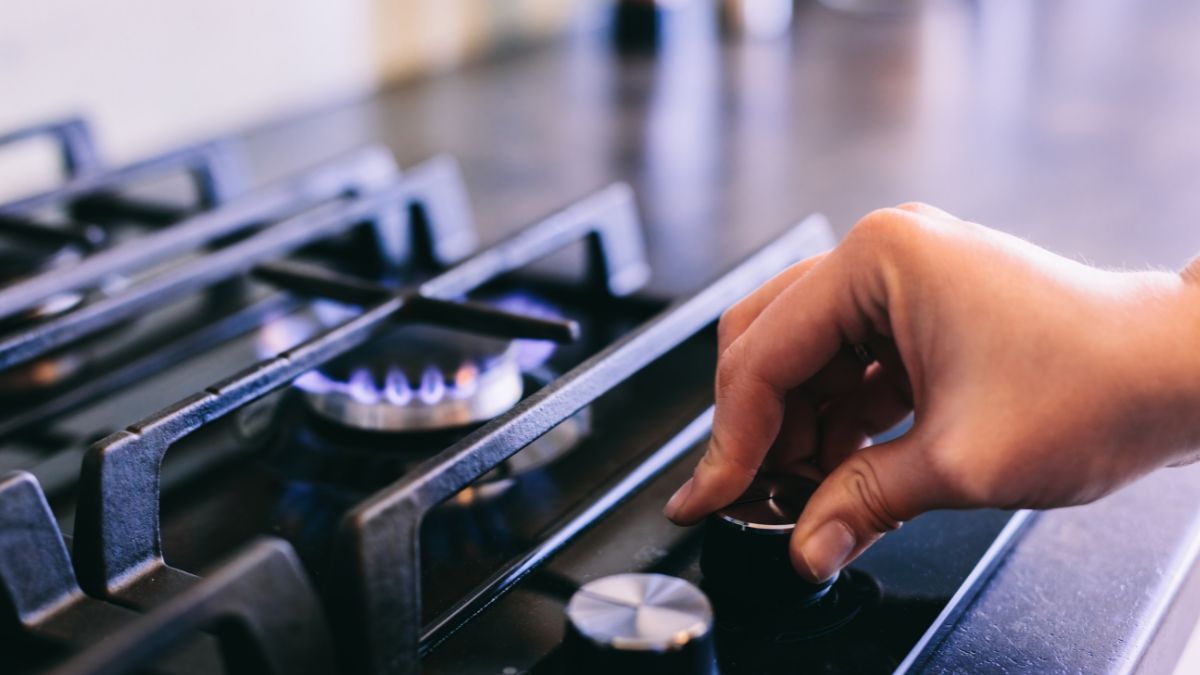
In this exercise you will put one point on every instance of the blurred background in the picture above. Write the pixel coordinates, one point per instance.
(1067, 121)
(151, 73)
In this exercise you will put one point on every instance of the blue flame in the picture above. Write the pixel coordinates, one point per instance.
(396, 389)
(289, 331)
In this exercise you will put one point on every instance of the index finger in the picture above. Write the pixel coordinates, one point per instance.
(792, 338)
(738, 318)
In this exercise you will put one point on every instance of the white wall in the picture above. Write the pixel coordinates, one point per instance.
(154, 73)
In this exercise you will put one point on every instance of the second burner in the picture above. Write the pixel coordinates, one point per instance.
(418, 378)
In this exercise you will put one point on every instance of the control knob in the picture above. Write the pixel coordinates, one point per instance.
(745, 558)
(635, 624)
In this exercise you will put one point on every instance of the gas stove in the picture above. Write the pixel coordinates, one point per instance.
(313, 427)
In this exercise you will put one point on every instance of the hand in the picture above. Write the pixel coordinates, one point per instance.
(1035, 381)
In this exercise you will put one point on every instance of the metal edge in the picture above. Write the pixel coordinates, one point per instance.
(945, 622)
(1143, 638)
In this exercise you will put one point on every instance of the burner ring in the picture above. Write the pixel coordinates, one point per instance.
(417, 378)
(394, 408)
(19, 263)
(413, 378)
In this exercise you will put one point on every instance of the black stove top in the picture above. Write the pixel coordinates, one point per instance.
(314, 427)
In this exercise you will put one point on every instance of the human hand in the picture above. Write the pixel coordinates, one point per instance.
(1035, 381)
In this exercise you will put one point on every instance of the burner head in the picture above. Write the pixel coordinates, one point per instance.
(418, 378)
(308, 449)
(20, 261)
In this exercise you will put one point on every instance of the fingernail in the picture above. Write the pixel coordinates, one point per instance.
(677, 500)
(826, 550)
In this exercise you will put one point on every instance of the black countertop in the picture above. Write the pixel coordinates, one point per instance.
(1071, 123)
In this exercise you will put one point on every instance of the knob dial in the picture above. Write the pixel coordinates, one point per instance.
(745, 557)
(640, 623)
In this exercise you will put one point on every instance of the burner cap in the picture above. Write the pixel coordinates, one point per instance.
(19, 261)
(418, 378)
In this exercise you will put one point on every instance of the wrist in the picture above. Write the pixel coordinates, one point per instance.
(1172, 354)
(1190, 311)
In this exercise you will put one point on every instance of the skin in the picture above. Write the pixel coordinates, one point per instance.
(1035, 381)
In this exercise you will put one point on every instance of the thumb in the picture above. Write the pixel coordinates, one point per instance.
(872, 492)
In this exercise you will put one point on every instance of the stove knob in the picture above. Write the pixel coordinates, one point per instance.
(639, 623)
(745, 557)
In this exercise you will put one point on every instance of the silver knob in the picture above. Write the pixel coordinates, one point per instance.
(640, 623)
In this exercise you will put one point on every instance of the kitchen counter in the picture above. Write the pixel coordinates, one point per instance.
(1070, 123)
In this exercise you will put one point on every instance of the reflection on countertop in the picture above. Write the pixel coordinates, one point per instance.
(1070, 123)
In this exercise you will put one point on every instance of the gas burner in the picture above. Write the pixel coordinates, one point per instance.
(326, 468)
(317, 450)
(20, 260)
(418, 378)
(415, 378)
(381, 409)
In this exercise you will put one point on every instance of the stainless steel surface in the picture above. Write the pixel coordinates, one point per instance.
(640, 612)
(1088, 589)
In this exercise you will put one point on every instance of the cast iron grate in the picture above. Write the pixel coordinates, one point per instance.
(117, 549)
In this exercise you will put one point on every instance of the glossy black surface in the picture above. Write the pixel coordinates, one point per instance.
(271, 467)
(308, 473)
(867, 623)
(1069, 123)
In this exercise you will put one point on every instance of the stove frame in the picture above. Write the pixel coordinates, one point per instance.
(117, 552)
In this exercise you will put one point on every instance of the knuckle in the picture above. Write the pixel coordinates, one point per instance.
(915, 207)
(871, 259)
(730, 367)
(740, 376)
(862, 481)
(730, 325)
(884, 226)
(721, 459)
(891, 242)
